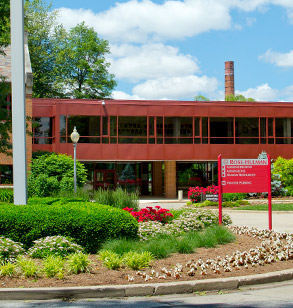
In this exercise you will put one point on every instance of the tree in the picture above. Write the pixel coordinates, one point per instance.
(201, 98)
(238, 98)
(81, 68)
(40, 23)
(4, 25)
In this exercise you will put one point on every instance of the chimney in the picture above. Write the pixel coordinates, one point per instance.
(229, 78)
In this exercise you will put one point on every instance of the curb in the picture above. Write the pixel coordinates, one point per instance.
(144, 289)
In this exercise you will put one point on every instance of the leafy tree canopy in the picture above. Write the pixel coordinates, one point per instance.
(201, 98)
(238, 98)
(4, 25)
(81, 68)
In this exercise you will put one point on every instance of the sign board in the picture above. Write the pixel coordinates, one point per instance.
(245, 176)
(212, 197)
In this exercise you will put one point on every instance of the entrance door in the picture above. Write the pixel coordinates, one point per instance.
(105, 179)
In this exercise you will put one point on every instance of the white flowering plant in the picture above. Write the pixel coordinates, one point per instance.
(188, 220)
(54, 245)
(9, 250)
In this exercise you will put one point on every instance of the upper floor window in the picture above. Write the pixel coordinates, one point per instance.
(42, 130)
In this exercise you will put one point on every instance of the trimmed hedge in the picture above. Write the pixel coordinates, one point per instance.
(6, 195)
(88, 224)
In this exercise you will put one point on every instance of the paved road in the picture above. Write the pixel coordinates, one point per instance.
(271, 295)
(282, 221)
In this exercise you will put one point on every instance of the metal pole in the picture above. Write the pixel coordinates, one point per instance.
(18, 102)
(74, 151)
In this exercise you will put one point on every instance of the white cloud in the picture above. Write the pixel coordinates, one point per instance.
(123, 95)
(261, 93)
(150, 62)
(176, 87)
(141, 21)
(278, 58)
(138, 21)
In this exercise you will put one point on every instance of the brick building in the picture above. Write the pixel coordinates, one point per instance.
(6, 161)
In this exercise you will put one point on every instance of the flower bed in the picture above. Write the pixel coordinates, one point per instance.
(151, 214)
(194, 193)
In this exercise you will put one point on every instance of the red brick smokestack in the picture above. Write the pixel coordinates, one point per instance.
(229, 78)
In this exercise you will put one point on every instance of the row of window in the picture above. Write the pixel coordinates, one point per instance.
(168, 130)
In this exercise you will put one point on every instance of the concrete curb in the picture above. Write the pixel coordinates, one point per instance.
(144, 289)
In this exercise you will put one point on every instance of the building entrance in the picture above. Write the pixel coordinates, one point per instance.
(105, 179)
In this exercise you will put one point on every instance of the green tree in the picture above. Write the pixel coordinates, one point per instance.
(41, 24)
(238, 98)
(4, 25)
(81, 67)
(201, 98)
(284, 168)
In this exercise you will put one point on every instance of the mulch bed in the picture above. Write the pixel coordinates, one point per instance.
(100, 275)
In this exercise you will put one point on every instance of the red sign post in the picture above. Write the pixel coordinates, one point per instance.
(244, 176)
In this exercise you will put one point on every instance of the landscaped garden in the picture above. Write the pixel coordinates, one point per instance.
(68, 239)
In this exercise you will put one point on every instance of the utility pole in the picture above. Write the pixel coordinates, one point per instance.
(18, 102)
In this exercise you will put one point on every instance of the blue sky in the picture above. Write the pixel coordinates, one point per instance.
(163, 49)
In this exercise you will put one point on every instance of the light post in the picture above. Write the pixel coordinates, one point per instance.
(74, 138)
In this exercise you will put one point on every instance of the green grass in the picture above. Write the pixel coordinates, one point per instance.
(162, 246)
(264, 207)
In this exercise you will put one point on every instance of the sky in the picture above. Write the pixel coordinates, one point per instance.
(163, 49)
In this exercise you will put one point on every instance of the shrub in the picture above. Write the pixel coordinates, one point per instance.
(282, 170)
(234, 196)
(111, 259)
(42, 186)
(53, 245)
(149, 213)
(6, 195)
(48, 171)
(137, 261)
(67, 185)
(27, 266)
(88, 224)
(9, 250)
(7, 269)
(117, 198)
(78, 263)
(53, 265)
(194, 193)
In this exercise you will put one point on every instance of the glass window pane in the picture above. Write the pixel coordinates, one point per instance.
(105, 126)
(113, 126)
(271, 126)
(151, 126)
(196, 126)
(132, 126)
(85, 125)
(42, 127)
(62, 125)
(160, 126)
(221, 130)
(204, 128)
(263, 127)
(247, 127)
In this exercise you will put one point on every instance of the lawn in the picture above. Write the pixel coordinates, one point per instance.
(264, 207)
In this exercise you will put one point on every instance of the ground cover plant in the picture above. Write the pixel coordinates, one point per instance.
(6, 195)
(264, 207)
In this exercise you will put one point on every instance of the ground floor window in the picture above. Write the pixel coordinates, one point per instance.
(6, 174)
(130, 176)
(192, 174)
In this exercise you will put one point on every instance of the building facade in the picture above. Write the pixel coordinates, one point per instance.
(6, 161)
(159, 147)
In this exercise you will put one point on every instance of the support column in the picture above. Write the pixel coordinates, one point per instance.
(157, 178)
(170, 179)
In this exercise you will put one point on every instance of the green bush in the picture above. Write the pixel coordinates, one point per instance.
(88, 224)
(50, 173)
(283, 168)
(67, 185)
(234, 196)
(6, 195)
